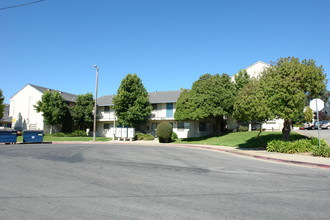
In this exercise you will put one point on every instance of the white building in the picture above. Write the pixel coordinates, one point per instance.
(22, 111)
(164, 106)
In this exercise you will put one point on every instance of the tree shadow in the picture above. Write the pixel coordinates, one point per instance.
(260, 143)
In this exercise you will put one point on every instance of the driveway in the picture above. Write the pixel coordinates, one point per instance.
(152, 182)
(324, 133)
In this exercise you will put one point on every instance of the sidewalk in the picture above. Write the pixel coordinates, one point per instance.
(297, 159)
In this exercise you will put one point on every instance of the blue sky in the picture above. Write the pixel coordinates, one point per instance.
(167, 43)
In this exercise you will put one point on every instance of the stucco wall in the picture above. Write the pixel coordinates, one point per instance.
(22, 110)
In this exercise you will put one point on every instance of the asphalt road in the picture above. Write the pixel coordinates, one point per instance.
(324, 133)
(150, 182)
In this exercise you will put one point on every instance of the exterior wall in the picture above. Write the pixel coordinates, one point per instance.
(22, 110)
(105, 116)
(275, 124)
(256, 69)
(160, 112)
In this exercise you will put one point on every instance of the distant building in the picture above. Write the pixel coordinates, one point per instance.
(24, 116)
(5, 121)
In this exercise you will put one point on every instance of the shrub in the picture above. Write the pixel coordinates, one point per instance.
(59, 134)
(164, 132)
(174, 136)
(243, 128)
(321, 151)
(298, 146)
(78, 133)
(141, 136)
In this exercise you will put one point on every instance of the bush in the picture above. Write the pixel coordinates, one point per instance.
(141, 136)
(243, 128)
(164, 132)
(321, 151)
(59, 134)
(78, 133)
(298, 146)
(174, 136)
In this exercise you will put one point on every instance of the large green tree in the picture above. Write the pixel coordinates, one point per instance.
(131, 103)
(251, 104)
(211, 96)
(2, 106)
(53, 108)
(241, 79)
(82, 112)
(287, 84)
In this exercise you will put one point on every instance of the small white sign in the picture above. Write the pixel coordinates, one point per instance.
(316, 105)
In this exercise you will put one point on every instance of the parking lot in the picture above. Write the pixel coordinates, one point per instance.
(324, 133)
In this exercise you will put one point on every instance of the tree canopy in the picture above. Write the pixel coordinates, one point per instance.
(211, 96)
(241, 79)
(2, 107)
(82, 112)
(53, 108)
(308, 114)
(251, 103)
(131, 103)
(283, 89)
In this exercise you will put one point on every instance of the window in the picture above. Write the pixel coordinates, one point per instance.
(106, 126)
(169, 110)
(183, 125)
(106, 108)
(154, 106)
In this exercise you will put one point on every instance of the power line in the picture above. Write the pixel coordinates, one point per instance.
(15, 6)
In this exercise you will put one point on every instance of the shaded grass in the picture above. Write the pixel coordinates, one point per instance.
(241, 139)
(50, 139)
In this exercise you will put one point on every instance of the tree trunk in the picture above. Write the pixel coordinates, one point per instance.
(260, 130)
(286, 129)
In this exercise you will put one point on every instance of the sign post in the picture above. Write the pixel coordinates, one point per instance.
(317, 105)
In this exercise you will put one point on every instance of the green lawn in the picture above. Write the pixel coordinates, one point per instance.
(50, 139)
(240, 139)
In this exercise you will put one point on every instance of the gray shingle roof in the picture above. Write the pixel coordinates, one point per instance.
(66, 96)
(154, 97)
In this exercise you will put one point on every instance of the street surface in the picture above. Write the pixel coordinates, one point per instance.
(324, 133)
(107, 181)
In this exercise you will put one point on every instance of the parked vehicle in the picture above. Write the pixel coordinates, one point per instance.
(307, 126)
(325, 124)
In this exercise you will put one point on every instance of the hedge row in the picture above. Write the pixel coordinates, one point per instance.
(300, 146)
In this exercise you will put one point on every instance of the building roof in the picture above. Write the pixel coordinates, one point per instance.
(154, 97)
(66, 96)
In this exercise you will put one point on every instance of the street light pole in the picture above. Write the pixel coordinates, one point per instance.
(95, 107)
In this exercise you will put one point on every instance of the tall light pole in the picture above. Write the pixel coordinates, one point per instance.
(95, 107)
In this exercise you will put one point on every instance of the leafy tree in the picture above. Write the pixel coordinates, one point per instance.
(287, 84)
(53, 108)
(2, 106)
(241, 79)
(211, 96)
(82, 112)
(251, 104)
(308, 114)
(131, 103)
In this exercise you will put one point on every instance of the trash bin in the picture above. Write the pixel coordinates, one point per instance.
(8, 136)
(33, 136)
